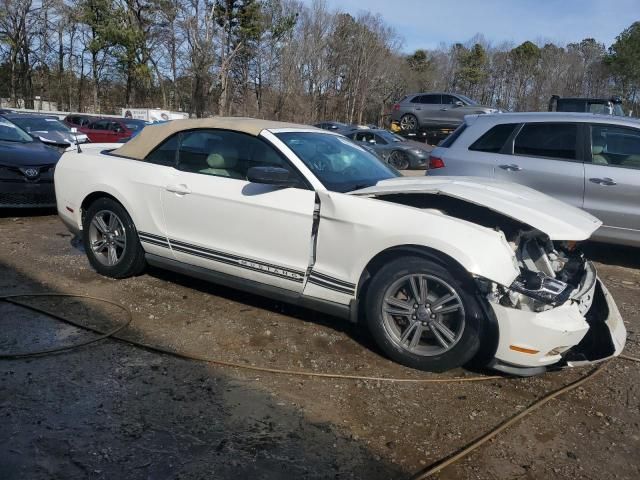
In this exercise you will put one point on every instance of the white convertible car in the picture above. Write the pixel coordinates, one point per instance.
(443, 271)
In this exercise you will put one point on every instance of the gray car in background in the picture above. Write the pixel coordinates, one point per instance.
(393, 149)
(434, 110)
(590, 161)
(47, 129)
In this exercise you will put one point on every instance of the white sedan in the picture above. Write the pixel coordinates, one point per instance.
(443, 271)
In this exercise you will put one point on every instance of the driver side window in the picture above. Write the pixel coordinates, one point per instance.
(224, 153)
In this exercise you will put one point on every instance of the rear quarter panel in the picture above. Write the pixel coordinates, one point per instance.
(135, 184)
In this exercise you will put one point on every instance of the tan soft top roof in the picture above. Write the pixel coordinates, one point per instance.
(153, 135)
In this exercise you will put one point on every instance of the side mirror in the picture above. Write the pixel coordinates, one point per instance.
(272, 176)
(372, 141)
(459, 104)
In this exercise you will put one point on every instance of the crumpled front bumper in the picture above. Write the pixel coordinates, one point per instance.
(529, 342)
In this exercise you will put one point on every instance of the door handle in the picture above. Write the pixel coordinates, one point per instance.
(512, 167)
(180, 189)
(603, 181)
(444, 109)
(418, 108)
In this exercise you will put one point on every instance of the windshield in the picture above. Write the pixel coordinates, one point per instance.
(468, 100)
(390, 136)
(40, 124)
(12, 133)
(340, 164)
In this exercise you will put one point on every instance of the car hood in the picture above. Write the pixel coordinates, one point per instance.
(53, 136)
(557, 219)
(16, 154)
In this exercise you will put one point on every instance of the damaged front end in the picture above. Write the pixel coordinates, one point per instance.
(556, 311)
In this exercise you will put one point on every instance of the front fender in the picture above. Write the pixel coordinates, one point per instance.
(353, 230)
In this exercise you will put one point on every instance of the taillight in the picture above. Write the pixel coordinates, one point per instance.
(396, 107)
(435, 162)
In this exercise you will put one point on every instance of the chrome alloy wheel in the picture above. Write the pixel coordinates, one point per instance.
(408, 122)
(107, 237)
(423, 314)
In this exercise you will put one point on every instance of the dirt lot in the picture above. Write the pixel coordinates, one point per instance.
(112, 410)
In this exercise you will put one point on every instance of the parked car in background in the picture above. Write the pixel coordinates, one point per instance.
(439, 269)
(605, 106)
(394, 149)
(590, 161)
(434, 110)
(26, 169)
(78, 120)
(48, 129)
(337, 127)
(113, 130)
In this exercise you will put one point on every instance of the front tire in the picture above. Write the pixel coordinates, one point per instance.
(399, 160)
(409, 122)
(424, 316)
(111, 241)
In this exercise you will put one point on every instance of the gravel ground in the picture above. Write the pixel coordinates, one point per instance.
(111, 410)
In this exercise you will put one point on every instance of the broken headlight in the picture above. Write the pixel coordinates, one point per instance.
(540, 287)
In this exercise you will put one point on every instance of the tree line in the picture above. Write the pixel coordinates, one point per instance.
(278, 59)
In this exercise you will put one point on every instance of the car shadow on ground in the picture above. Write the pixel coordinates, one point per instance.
(356, 332)
(619, 255)
(112, 410)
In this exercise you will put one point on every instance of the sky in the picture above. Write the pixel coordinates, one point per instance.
(427, 23)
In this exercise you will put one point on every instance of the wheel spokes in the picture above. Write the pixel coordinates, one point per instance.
(440, 307)
(418, 285)
(412, 335)
(99, 246)
(416, 311)
(440, 338)
(99, 223)
(113, 255)
(398, 307)
(442, 329)
(113, 223)
(119, 241)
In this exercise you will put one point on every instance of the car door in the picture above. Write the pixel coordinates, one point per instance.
(451, 112)
(546, 156)
(429, 109)
(99, 132)
(612, 181)
(218, 220)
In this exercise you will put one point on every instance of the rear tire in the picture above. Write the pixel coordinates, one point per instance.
(111, 241)
(424, 315)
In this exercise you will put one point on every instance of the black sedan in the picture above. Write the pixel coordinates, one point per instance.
(397, 151)
(26, 169)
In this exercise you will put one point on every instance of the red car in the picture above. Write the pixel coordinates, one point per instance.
(112, 130)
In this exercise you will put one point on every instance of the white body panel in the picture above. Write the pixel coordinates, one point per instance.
(264, 234)
(275, 228)
(557, 219)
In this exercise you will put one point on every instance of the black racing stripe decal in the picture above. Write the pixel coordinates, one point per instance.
(151, 235)
(222, 257)
(337, 281)
(234, 257)
(154, 242)
(280, 273)
(329, 286)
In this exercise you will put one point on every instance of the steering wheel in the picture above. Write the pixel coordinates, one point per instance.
(351, 171)
(319, 164)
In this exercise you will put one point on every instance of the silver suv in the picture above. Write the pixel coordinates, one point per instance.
(590, 161)
(434, 110)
